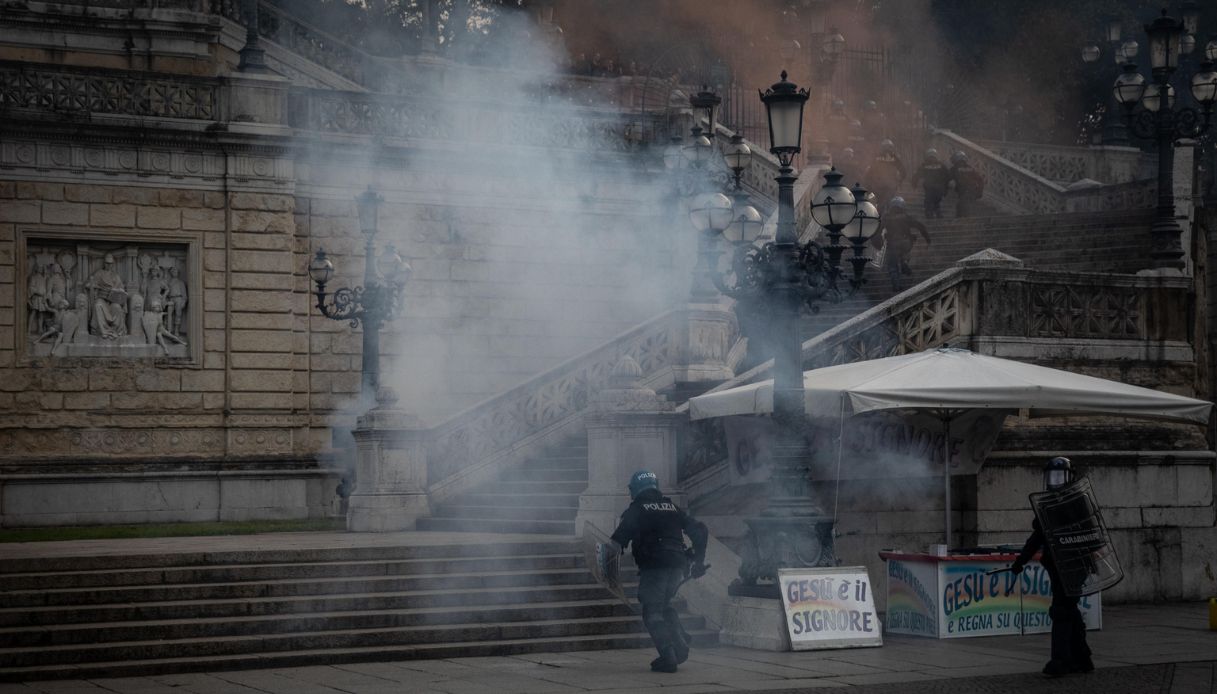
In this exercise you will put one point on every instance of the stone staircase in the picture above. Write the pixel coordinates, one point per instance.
(540, 496)
(116, 616)
(1081, 242)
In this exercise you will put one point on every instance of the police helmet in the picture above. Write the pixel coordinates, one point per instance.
(641, 480)
(959, 156)
(931, 153)
(887, 146)
(896, 203)
(1058, 472)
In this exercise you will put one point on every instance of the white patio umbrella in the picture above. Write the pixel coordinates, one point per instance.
(948, 382)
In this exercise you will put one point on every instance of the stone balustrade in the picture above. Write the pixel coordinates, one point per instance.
(80, 92)
(1065, 165)
(356, 113)
(472, 446)
(990, 303)
(990, 294)
(1019, 190)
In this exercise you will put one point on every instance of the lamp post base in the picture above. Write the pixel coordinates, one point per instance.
(781, 542)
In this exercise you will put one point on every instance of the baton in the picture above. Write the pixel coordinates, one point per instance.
(1022, 621)
(1022, 626)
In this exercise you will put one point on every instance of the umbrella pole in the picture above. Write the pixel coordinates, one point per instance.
(946, 476)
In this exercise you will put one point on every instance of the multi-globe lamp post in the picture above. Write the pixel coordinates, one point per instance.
(370, 305)
(1114, 131)
(1160, 120)
(780, 278)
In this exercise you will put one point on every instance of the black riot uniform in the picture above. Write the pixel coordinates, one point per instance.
(898, 228)
(969, 184)
(1070, 653)
(885, 173)
(934, 176)
(655, 527)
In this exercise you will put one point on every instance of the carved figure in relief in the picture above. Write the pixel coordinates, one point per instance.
(66, 324)
(135, 316)
(40, 309)
(57, 286)
(177, 300)
(55, 327)
(154, 327)
(109, 302)
(75, 322)
(67, 261)
(158, 287)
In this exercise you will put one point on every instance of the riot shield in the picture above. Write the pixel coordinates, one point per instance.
(603, 558)
(1077, 538)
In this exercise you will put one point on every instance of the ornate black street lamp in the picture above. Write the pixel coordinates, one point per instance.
(1161, 121)
(702, 176)
(784, 276)
(373, 304)
(1114, 131)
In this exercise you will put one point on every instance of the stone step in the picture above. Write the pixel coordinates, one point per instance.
(103, 632)
(252, 590)
(567, 456)
(280, 571)
(573, 474)
(516, 512)
(145, 667)
(331, 639)
(479, 525)
(295, 604)
(531, 487)
(450, 550)
(520, 499)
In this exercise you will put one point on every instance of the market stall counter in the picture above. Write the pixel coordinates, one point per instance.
(955, 596)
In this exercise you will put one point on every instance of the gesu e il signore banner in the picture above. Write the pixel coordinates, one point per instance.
(830, 607)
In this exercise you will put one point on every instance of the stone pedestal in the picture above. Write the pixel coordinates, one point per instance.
(257, 98)
(629, 428)
(390, 470)
(709, 333)
(758, 623)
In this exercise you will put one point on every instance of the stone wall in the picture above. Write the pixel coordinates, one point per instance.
(262, 385)
(231, 394)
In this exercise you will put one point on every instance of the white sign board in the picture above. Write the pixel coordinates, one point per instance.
(831, 607)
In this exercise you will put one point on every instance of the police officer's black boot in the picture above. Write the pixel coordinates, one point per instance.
(666, 662)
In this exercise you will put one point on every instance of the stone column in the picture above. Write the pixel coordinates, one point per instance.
(390, 469)
(629, 428)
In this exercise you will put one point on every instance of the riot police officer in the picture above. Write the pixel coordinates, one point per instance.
(969, 184)
(655, 528)
(934, 177)
(898, 228)
(1070, 653)
(885, 172)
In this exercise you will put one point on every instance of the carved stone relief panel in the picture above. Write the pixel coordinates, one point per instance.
(107, 298)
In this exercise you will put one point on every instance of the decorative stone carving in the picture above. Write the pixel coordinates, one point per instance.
(106, 299)
(143, 94)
